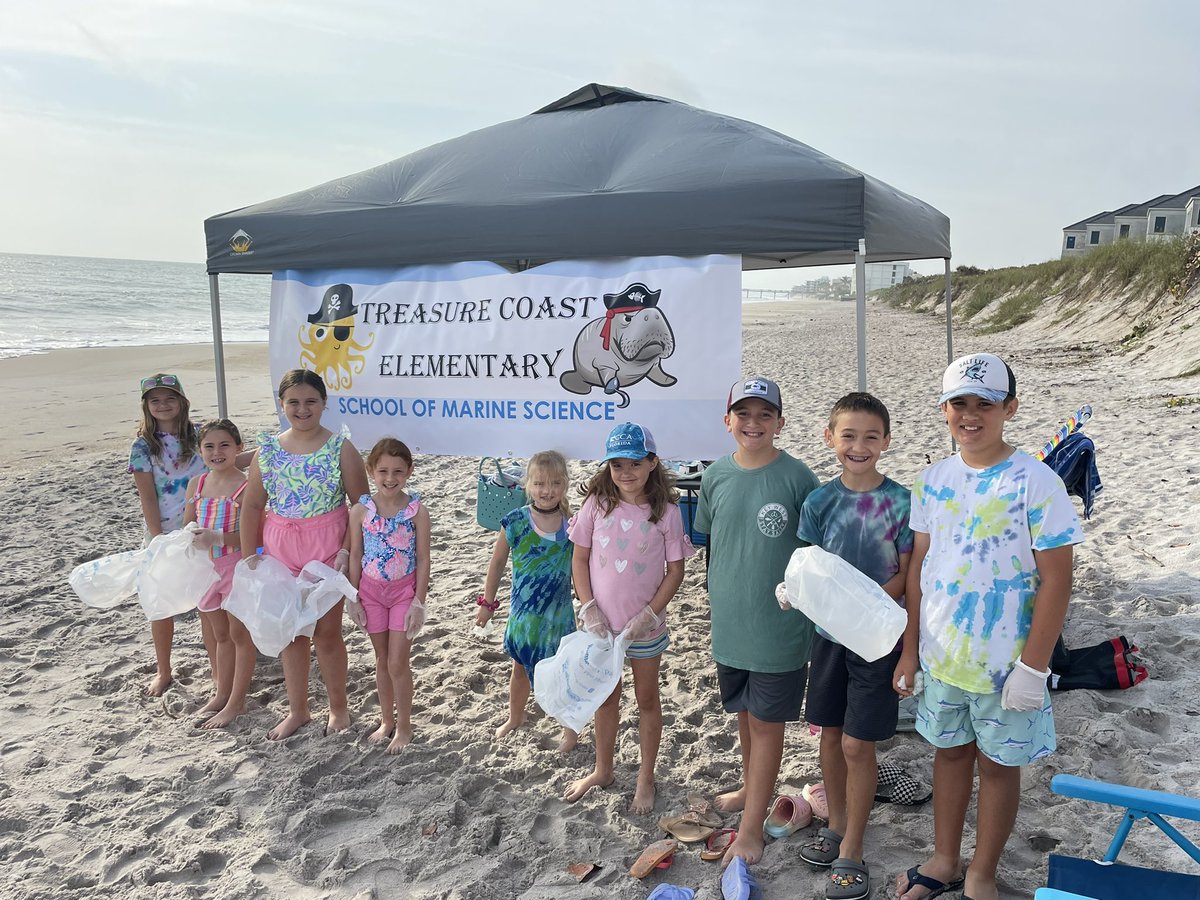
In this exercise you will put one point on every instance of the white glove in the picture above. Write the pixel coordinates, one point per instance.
(207, 538)
(355, 611)
(593, 620)
(341, 562)
(414, 620)
(918, 685)
(251, 561)
(781, 596)
(642, 625)
(1024, 689)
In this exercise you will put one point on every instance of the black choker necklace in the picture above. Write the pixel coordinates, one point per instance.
(545, 512)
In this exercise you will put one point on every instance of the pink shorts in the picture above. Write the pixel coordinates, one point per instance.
(211, 602)
(386, 603)
(297, 542)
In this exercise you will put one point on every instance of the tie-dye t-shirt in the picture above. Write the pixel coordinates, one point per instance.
(979, 576)
(171, 476)
(868, 529)
(390, 545)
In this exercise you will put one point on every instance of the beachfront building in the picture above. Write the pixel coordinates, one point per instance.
(882, 275)
(1164, 216)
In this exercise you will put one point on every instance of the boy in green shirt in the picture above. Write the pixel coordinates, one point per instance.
(750, 507)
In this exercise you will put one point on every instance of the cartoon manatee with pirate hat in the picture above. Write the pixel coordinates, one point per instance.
(327, 344)
(624, 347)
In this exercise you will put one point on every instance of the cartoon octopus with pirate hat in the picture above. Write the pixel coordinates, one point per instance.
(327, 344)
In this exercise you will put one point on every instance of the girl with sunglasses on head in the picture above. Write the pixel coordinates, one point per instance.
(295, 498)
(163, 459)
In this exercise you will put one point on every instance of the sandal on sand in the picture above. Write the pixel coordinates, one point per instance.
(936, 888)
(717, 843)
(848, 880)
(815, 795)
(737, 883)
(896, 786)
(658, 852)
(823, 849)
(788, 815)
(694, 825)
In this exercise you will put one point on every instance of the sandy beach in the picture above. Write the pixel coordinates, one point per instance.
(110, 793)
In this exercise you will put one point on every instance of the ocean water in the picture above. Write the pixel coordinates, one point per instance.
(54, 302)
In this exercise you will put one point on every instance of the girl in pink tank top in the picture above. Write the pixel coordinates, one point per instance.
(213, 503)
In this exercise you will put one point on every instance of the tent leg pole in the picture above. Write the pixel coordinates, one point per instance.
(860, 280)
(214, 297)
(949, 319)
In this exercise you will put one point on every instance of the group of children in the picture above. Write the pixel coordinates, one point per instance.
(979, 553)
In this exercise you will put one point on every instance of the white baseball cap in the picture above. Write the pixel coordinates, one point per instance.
(981, 374)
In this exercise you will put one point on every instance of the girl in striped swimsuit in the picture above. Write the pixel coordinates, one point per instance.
(213, 503)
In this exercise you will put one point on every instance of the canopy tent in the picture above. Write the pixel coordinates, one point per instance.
(603, 172)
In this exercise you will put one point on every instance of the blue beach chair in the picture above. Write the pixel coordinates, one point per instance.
(1108, 879)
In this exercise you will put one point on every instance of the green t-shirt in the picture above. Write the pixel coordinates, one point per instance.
(751, 517)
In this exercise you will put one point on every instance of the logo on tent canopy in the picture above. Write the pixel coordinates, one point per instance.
(239, 242)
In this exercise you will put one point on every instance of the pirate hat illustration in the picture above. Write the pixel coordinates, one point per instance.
(634, 298)
(337, 305)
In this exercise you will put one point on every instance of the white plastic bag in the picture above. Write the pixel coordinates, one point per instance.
(277, 607)
(105, 582)
(573, 683)
(175, 575)
(844, 602)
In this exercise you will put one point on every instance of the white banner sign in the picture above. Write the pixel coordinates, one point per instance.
(472, 360)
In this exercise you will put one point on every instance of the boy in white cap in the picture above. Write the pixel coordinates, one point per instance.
(987, 593)
(750, 507)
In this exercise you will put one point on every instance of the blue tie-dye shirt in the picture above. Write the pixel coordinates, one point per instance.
(868, 529)
(979, 577)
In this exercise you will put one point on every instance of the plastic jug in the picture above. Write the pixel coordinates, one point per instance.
(844, 602)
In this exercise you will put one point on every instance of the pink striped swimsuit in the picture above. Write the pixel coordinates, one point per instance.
(219, 514)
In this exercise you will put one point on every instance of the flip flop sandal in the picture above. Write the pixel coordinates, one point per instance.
(887, 774)
(688, 827)
(788, 815)
(658, 852)
(718, 842)
(936, 888)
(737, 883)
(704, 810)
(815, 795)
(848, 880)
(823, 850)
(905, 791)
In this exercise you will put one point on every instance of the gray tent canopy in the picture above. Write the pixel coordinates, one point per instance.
(603, 172)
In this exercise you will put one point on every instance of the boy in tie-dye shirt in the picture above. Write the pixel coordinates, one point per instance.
(987, 594)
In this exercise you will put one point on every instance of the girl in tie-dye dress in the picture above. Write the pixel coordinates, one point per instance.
(295, 499)
(389, 564)
(535, 536)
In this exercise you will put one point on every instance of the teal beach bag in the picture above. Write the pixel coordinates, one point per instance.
(496, 495)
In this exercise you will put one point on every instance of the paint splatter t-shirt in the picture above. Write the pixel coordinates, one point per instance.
(979, 577)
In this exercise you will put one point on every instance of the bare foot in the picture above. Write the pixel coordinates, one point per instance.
(643, 798)
(734, 801)
(979, 889)
(224, 717)
(215, 704)
(402, 739)
(748, 847)
(337, 722)
(382, 733)
(569, 740)
(583, 785)
(934, 868)
(156, 687)
(509, 726)
(288, 727)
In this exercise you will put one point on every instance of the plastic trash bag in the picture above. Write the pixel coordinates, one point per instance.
(843, 601)
(104, 583)
(175, 575)
(573, 683)
(277, 607)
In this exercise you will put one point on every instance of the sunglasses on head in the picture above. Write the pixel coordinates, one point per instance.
(167, 381)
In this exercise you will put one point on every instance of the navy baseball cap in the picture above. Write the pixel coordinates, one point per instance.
(629, 441)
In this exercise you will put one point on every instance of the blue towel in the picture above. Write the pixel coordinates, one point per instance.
(1074, 460)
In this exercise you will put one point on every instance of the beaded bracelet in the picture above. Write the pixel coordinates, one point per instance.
(482, 601)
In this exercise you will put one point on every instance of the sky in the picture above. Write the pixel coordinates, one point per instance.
(124, 124)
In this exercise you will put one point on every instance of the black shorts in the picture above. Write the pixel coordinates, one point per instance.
(845, 691)
(768, 696)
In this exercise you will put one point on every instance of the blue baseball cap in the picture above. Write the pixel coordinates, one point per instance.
(629, 441)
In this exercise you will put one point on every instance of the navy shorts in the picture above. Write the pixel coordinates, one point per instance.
(768, 696)
(847, 692)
